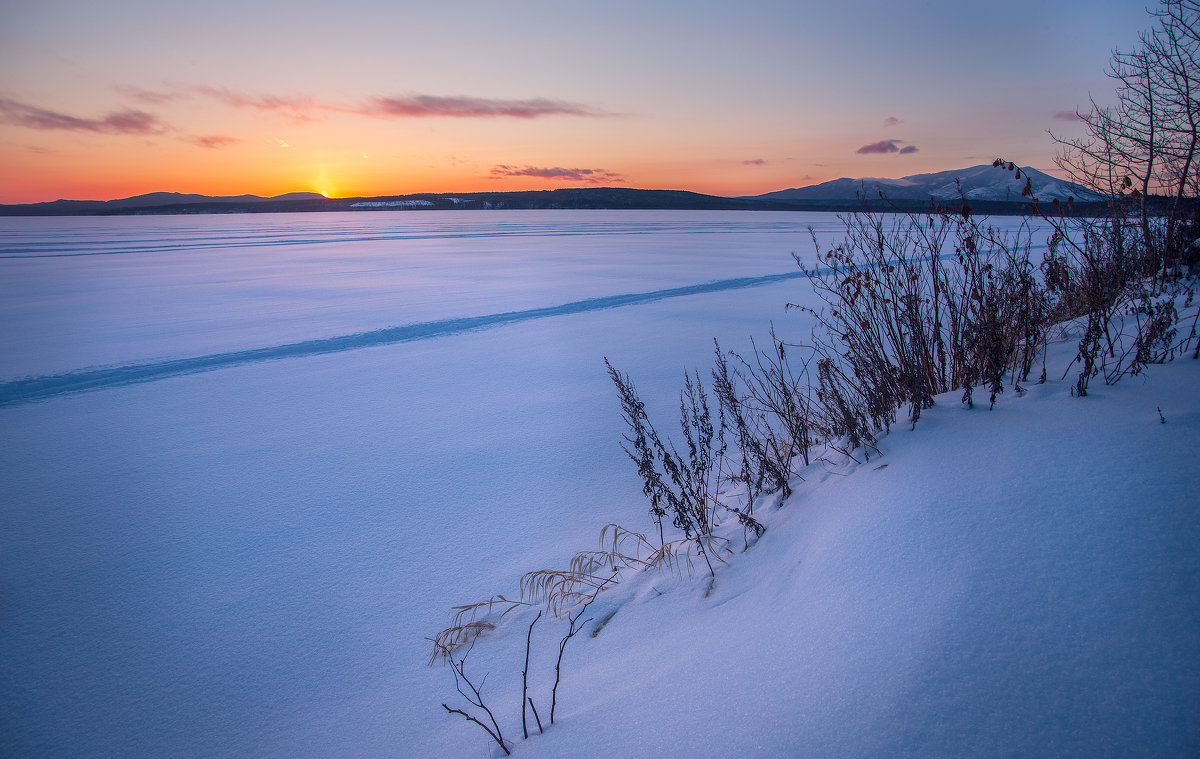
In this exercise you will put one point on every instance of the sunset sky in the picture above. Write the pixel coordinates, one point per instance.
(102, 100)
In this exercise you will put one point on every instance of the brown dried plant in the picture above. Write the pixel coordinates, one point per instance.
(561, 591)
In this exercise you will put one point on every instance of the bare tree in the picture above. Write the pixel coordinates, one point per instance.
(1141, 149)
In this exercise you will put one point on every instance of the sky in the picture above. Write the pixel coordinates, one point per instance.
(113, 99)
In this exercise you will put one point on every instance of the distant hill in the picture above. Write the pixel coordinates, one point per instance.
(989, 190)
(147, 201)
(977, 183)
(574, 198)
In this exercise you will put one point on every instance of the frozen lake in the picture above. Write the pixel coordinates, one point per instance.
(247, 463)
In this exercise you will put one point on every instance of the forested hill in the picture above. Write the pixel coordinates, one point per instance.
(567, 198)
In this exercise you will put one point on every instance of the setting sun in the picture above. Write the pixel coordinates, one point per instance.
(323, 184)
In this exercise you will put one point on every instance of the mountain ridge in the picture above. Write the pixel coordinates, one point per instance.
(989, 190)
(984, 182)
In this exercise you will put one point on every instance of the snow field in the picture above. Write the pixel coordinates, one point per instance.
(246, 562)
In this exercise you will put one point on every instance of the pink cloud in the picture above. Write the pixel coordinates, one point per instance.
(303, 108)
(425, 106)
(298, 108)
(127, 121)
(1067, 116)
(213, 141)
(591, 176)
(891, 121)
(887, 146)
(754, 162)
(883, 146)
(148, 96)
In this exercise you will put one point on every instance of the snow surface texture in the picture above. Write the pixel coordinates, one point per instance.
(244, 560)
(1020, 582)
(247, 561)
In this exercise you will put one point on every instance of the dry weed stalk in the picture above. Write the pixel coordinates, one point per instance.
(561, 591)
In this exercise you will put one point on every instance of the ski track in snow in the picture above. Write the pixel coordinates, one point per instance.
(29, 389)
(20, 391)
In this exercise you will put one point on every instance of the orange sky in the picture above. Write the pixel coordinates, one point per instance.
(107, 100)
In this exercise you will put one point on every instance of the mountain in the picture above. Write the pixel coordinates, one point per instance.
(977, 183)
(567, 197)
(990, 191)
(151, 200)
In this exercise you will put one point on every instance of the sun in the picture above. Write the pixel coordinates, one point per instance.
(323, 184)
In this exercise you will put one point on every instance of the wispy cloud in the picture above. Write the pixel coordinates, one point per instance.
(126, 121)
(1067, 116)
(150, 97)
(213, 141)
(426, 106)
(887, 146)
(755, 162)
(892, 121)
(302, 108)
(883, 146)
(591, 176)
(298, 108)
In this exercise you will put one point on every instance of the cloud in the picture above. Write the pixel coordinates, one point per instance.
(127, 121)
(303, 108)
(887, 146)
(425, 106)
(148, 96)
(754, 162)
(891, 121)
(213, 141)
(591, 176)
(883, 146)
(1067, 116)
(295, 105)
(298, 108)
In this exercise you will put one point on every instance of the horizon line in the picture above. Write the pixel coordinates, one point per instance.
(489, 192)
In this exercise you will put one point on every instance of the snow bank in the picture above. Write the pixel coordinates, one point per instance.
(1020, 582)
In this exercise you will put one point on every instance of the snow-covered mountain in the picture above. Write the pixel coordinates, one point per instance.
(983, 182)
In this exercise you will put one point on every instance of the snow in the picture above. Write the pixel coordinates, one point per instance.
(245, 558)
(983, 183)
(1020, 582)
(393, 204)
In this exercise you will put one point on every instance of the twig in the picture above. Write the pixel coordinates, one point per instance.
(525, 676)
(460, 676)
(562, 645)
(535, 716)
(477, 722)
